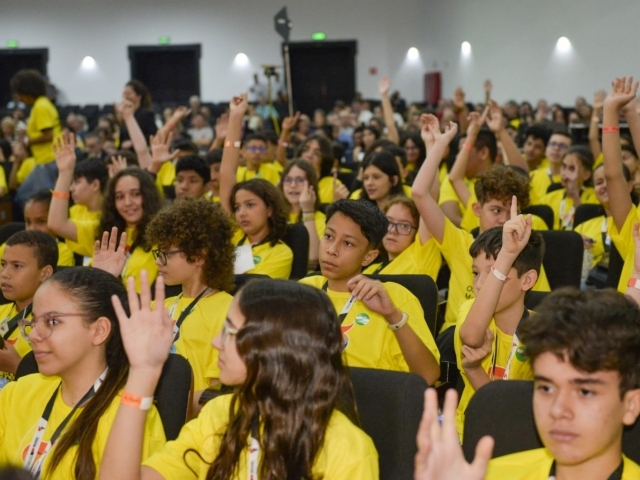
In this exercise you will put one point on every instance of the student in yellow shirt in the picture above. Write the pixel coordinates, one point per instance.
(381, 179)
(281, 347)
(29, 259)
(258, 207)
(535, 144)
(192, 177)
(506, 264)
(254, 148)
(382, 323)
(543, 177)
(214, 160)
(194, 250)
(83, 367)
(585, 393)
(575, 174)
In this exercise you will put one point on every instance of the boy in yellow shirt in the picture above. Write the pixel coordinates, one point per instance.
(192, 177)
(28, 260)
(584, 348)
(544, 176)
(254, 149)
(382, 323)
(506, 263)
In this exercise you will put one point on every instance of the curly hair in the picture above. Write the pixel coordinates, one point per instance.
(501, 183)
(28, 82)
(195, 226)
(273, 199)
(312, 179)
(291, 345)
(151, 204)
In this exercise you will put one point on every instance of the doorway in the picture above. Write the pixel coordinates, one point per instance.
(13, 60)
(172, 73)
(322, 73)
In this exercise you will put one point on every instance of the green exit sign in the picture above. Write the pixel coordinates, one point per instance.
(318, 36)
(12, 43)
(164, 40)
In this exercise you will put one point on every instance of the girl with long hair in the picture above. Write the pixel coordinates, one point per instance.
(138, 94)
(381, 178)
(291, 415)
(55, 423)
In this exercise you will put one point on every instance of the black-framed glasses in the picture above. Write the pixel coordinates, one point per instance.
(559, 146)
(401, 228)
(45, 323)
(163, 256)
(294, 180)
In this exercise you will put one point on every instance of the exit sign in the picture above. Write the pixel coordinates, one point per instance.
(164, 40)
(12, 43)
(318, 36)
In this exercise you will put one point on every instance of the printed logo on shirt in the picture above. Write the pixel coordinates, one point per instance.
(469, 295)
(256, 259)
(345, 338)
(521, 354)
(362, 319)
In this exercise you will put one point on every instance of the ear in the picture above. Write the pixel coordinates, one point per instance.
(101, 330)
(369, 257)
(95, 185)
(586, 175)
(45, 273)
(476, 209)
(528, 280)
(269, 212)
(631, 402)
(394, 180)
(200, 259)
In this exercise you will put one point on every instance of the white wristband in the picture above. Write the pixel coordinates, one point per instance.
(400, 324)
(500, 276)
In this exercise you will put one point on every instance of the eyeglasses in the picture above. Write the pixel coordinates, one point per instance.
(257, 149)
(559, 146)
(163, 256)
(401, 228)
(44, 323)
(227, 331)
(296, 180)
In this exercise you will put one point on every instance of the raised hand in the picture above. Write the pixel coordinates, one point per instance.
(475, 122)
(623, 90)
(516, 231)
(340, 191)
(64, 149)
(238, 105)
(384, 86)
(472, 357)
(116, 164)
(494, 117)
(307, 198)
(598, 99)
(125, 108)
(289, 123)
(428, 137)
(458, 99)
(488, 86)
(179, 113)
(160, 144)
(446, 136)
(439, 454)
(147, 333)
(109, 255)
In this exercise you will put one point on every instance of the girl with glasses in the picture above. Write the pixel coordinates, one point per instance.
(292, 414)
(55, 423)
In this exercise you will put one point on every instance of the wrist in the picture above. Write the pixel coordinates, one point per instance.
(394, 317)
(142, 381)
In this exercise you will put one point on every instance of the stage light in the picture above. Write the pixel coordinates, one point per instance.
(466, 48)
(563, 44)
(413, 54)
(88, 63)
(241, 59)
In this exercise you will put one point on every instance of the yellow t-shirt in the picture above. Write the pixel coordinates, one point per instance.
(448, 193)
(277, 165)
(357, 194)
(3, 181)
(197, 331)
(325, 189)
(15, 339)
(594, 229)
(21, 406)
(541, 179)
(347, 453)
(26, 167)
(520, 368)
(137, 261)
(44, 116)
(623, 240)
(274, 261)
(417, 259)
(211, 197)
(562, 206)
(319, 219)
(166, 176)
(368, 340)
(536, 465)
(86, 223)
(267, 171)
(598, 161)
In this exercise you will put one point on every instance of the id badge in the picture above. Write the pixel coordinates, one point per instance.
(244, 259)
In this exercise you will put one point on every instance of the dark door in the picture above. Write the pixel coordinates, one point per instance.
(321, 73)
(13, 60)
(172, 73)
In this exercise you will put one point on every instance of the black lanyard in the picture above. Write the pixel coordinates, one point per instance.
(616, 475)
(185, 313)
(382, 266)
(347, 306)
(13, 323)
(49, 408)
(261, 242)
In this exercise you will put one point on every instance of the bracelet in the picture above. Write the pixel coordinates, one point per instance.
(136, 401)
(62, 195)
(500, 276)
(309, 213)
(400, 324)
(282, 143)
(232, 144)
(611, 129)
(467, 146)
(308, 217)
(634, 283)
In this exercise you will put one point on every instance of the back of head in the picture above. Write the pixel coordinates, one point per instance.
(92, 169)
(43, 245)
(489, 243)
(538, 132)
(366, 215)
(184, 145)
(28, 82)
(196, 164)
(501, 183)
(213, 157)
(487, 138)
(595, 330)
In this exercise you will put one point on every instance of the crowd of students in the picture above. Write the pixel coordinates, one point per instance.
(432, 191)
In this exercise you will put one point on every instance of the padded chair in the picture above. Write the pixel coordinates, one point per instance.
(545, 212)
(425, 289)
(297, 238)
(616, 262)
(563, 258)
(504, 410)
(173, 394)
(554, 186)
(390, 407)
(587, 211)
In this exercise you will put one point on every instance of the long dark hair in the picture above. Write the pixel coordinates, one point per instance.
(326, 153)
(142, 90)
(312, 179)
(150, 206)
(92, 289)
(291, 344)
(386, 162)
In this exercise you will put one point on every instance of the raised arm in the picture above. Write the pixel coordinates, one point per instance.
(288, 124)
(135, 133)
(594, 131)
(457, 173)
(633, 120)
(222, 122)
(622, 92)
(58, 221)
(387, 111)
(436, 144)
(495, 122)
(460, 109)
(231, 152)
(160, 153)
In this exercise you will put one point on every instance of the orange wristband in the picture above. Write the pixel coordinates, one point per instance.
(611, 129)
(467, 147)
(62, 195)
(135, 401)
(230, 144)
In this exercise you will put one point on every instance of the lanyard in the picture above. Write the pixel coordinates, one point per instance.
(347, 306)
(606, 239)
(616, 475)
(7, 327)
(33, 463)
(184, 314)
(254, 452)
(382, 266)
(261, 242)
(515, 343)
(566, 220)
